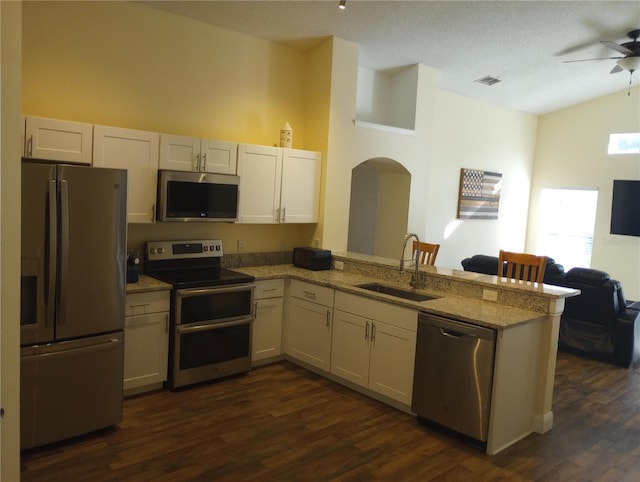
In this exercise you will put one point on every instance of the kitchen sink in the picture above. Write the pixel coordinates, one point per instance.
(398, 292)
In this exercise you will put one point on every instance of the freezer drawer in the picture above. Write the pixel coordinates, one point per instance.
(453, 374)
(70, 388)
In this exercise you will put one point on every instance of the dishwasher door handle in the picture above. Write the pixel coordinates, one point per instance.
(451, 333)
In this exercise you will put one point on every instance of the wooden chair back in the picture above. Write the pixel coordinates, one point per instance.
(522, 266)
(428, 252)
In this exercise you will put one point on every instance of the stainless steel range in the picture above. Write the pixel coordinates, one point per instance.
(212, 310)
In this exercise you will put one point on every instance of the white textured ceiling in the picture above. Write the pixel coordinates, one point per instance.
(523, 43)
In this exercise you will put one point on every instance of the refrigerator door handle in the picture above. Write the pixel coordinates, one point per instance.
(50, 295)
(64, 249)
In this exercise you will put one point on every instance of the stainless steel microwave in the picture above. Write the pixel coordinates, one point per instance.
(196, 197)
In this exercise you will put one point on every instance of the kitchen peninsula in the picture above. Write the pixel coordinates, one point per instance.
(525, 316)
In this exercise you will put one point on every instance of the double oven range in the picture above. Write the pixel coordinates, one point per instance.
(212, 310)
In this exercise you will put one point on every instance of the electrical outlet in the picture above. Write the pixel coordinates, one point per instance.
(339, 265)
(316, 243)
(240, 245)
(490, 295)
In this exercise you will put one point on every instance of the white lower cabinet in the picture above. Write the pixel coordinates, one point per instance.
(267, 327)
(374, 345)
(309, 323)
(146, 341)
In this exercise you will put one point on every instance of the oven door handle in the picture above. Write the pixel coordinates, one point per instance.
(185, 329)
(218, 289)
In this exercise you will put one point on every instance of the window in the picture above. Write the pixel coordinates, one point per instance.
(565, 230)
(624, 143)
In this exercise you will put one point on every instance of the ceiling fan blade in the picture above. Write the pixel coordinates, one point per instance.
(587, 60)
(616, 47)
(616, 69)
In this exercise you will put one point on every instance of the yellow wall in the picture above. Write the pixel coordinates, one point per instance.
(124, 64)
(127, 65)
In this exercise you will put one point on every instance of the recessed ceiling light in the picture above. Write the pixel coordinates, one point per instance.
(342, 5)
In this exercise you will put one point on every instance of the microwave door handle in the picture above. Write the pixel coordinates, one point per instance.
(53, 258)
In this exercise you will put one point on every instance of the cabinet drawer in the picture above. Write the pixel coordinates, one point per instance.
(377, 310)
(272, 288)
(311, 292)
(147, 302)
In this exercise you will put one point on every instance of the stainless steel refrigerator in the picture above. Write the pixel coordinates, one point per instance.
(74, 236)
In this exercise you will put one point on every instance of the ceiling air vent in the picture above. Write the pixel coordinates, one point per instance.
(488, 80)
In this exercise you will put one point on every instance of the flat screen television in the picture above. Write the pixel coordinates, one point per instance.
(625, 208)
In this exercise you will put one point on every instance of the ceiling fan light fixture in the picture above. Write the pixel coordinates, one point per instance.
(631, 64)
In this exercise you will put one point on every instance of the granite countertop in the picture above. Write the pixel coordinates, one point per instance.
(484, 313)
(147, 283)
(479, 312)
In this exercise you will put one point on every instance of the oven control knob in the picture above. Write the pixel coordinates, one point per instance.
(152, 250)
(160, 250)
(205, 248)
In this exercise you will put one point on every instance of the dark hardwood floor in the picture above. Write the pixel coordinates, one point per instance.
(283, 423)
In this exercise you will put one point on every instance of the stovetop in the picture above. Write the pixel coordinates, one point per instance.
(198, 278)
(190, 264)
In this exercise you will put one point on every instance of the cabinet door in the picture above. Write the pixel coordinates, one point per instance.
(137, 152)
(350, 347)
(218, 156)
(300, 197)
(179, 153)
(58, 140)
(309, 332)
(393, 352)
(145, 349)
(267, 329)
(259, 168)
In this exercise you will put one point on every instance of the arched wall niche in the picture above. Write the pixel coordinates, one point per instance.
(379, 207)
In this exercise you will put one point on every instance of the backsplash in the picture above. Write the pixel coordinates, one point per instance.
(239, 260)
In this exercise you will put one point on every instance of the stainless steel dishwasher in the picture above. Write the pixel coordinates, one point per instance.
(453, 374)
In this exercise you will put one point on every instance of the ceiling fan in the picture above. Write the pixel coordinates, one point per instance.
(631, 50)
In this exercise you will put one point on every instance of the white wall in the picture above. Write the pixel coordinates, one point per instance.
(392, 210)
(10, 150)
(571, 152)
(476, 135)
(452, 132)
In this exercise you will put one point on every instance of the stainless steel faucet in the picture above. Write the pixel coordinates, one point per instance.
(416, 282)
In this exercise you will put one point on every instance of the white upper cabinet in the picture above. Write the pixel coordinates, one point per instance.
(300, 189)
(58, 140)
(137, 152)
(259, 168)
(182, 153)
(278, 185)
